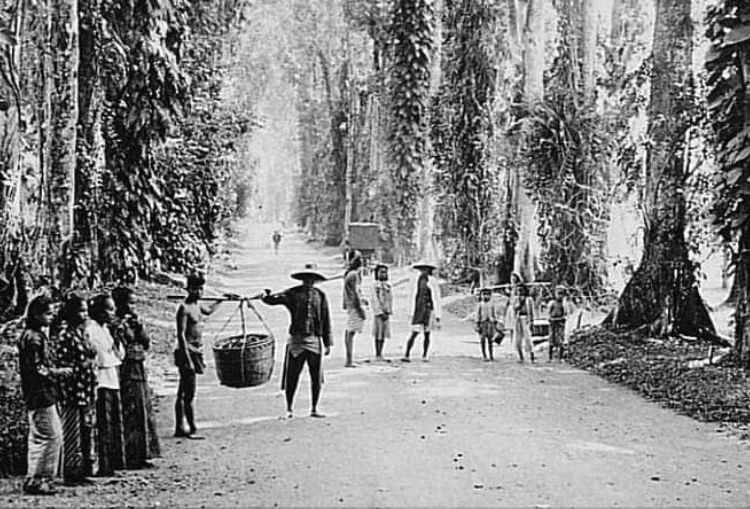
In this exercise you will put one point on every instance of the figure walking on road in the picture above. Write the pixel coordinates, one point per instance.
(382, 309)
(354, 304)
(276, 237)
(486, 323)
(426, 311)
(309, 334)
(188, 355)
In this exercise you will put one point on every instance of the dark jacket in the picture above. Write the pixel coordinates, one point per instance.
(296, 300)
(37, 383)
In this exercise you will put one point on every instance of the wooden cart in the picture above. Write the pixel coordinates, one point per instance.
(365, 238)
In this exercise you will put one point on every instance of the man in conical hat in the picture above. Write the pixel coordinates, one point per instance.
(426, 310)
(309, 334)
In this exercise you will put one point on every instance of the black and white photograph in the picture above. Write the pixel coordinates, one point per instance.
(374, 253)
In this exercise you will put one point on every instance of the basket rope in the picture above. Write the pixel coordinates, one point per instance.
(241, 311)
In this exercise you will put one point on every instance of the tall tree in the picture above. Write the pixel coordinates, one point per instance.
(463, 130)
(90, 149)
(411, 33)
(664, 287)
(64, 119)
(533, 94)
(728, 65)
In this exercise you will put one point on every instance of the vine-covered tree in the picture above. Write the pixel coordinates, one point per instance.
(462, 133)
(664, 287)
(566, 150)
(64, 118)
(728, 81)
(411, 33)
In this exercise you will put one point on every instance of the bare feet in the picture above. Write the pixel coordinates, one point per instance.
(405, 359)
(350, 365)
(317, 415)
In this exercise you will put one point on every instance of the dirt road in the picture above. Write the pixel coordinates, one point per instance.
(452, 432)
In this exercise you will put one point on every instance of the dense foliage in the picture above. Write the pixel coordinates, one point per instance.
(728, 84)
(462, 133)
(411, 32)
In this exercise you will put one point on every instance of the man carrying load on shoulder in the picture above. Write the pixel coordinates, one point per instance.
(309, 334)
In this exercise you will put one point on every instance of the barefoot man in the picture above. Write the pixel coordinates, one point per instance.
(188, 355)
(309, 334)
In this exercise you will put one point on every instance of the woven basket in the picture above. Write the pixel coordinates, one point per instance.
(244, 361)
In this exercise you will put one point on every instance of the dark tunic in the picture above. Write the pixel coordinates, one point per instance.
(39, 388)
(424, 305)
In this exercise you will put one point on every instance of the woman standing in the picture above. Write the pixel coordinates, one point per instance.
(39, 379)
(129, 331)
(77, 405)
(109, 356)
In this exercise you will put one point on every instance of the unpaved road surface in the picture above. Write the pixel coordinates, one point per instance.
(452, 432)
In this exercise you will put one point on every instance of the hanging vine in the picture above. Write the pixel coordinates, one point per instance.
(462, 132)
(567, 156)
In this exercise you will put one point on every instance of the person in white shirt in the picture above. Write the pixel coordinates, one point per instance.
(109, 355)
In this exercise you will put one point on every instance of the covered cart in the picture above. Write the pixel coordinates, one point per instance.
(365, 238)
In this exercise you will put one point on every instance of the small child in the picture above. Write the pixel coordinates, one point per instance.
(382, 309)
(486, 324)
(557, 315)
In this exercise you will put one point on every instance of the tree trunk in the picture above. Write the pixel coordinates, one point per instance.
(663, 288)
(588, 51)
(64, 117)
(742, 312)
(524, 261)
(89, 141)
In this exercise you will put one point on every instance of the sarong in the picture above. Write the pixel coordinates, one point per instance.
(109, 427)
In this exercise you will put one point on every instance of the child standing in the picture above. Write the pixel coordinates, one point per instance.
(39, 387)
(382, 309)
(486, 324)
(557, 315)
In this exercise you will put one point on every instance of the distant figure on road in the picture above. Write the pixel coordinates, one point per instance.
(354, 304)
(276, 237)
(309, 334)
(188, 355)
(557, 315)
(426, 308)
(486, 323)
(382, 309)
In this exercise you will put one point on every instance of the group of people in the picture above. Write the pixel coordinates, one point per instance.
(310, 328)
(86, 390)
(425, 313)
(514, 316)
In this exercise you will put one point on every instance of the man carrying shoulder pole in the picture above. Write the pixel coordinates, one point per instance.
(309, 334)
